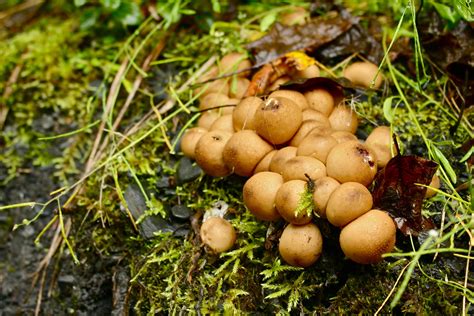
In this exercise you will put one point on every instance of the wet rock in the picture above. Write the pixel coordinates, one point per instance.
(187, 171)
(163, 182)
(120, 279)
(181, 212)
(182, 231)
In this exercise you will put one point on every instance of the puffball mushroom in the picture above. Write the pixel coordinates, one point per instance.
(209, 153)
(305, 128)
(279, 159)
(243, 116)
(342, 137)
(321, 100)
(362, 73)
(352, 162)
(311, 71)
(190, 139)
(317, 146)
(243, 152)
(323, 188)
(343, 118)
(295, 96)
(435, 183)
(289, 198)
(223, 123)
(300, 166)
(368, 237)
(213, 100)
(259, 195)
(277, 120)
(218, 234)
(380, 141)
(208, 118)
(264, 164)
(237, 87)
(296, 16)
(348, 201)
(234, 62)
(301, 245)
(216, 86)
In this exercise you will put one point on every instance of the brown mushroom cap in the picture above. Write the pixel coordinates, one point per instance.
(380, 141)
(279, 159)
(259, 194)
(342, 137)
(289, 198)
(311, 71)
(343, 118)
(209, 150)
(362, 74)
(348, 201)
(352, 162)
(295, 96)
(368, 237)
(190, 139)
(317, 146)
(300, 166)
(435, 183)
(220, 86)
(310, 114)
(213, 100)
(278, 120)
(218, 234)
(223, 123)
(244, 113)
(277, 83)
(208, 118)
(296, 16)
(264, 164)
(243, 152)
(323, 188)
(320, 100)
(234, 62)
(301, 245)
(305, 128)
(237, 87)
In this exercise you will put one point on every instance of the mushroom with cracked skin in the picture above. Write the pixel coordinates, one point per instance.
(288, 202)
(218, 234)
(209, 153)
(278, 120)
(347, 202)
(243, 152)
(362, 73)
(259, 194)
(380, 141)
(368, 237)
(352, 162)
(301, 245)
(190, 139)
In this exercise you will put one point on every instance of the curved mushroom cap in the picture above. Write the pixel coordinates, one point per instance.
(279, 159)
(348, 201)
(264, 164)
(259, 194)
(380, 141)
(343, 118)
(320, 100)
(363, 73)
(243, 116)
(352, 162)
(368, 237)
(218, 234)
(208, 153)
(302, 245)
(323, 188)
(301, 166)
(295, 96)
(289, 201)
(190, 140)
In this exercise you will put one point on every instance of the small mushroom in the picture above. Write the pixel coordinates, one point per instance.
(380, 141)
(216, 86)
(223, 123)
(305, 128)
(190, 139)
(278, 120)
(301, 167)
(317, 146)
(259, 194)
(237, 87)
(218, 234)
(348, 201)
(213, 100)
(342, 137)
(363, 73)
(288, 202)
(323, 188)
(279, 159)
(320, 100)
(234, 62)
(343, 118)
(368, 237)
(311, 71)
(301, 245)
(208, 118)
(244, 113)
(295, 96)
(434, 184)
(209, 150)
(243, 152)
(264, 164)
(352, 162)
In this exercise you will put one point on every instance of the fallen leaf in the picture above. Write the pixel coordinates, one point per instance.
(398, 192)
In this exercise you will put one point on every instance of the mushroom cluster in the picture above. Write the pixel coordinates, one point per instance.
(296, 147)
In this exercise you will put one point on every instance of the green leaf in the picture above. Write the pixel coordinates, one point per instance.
(128, 13)
(441, 158)
(388, 111)
(89, 18)
(463, 7)
(467, 155)
(79, 3)
(267, 21)
(111, 4)
(446, 12)
(216, 6)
